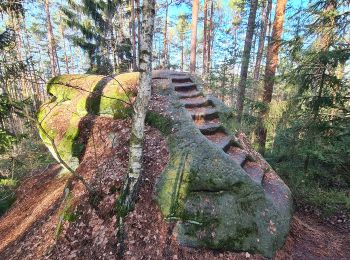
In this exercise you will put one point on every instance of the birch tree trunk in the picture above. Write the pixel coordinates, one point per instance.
(270, 70)
(245, 59)
(138, 31)
(140, 106)
(51, 40)
(195, 7)
(133, 36)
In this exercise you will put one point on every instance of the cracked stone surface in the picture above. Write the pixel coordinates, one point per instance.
(222, 194)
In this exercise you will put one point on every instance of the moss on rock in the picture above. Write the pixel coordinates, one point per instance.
(215, 203)
(73, 98)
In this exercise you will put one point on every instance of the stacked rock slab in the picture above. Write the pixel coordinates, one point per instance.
(222, 194)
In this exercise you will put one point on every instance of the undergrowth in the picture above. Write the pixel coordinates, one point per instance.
(26, 156)
(308, 188)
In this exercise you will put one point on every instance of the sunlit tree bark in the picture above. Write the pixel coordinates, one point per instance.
(195, 7)
(140, 105)
(264, 22)
(270, 69)
(245, 59)
(205, 36)
(138, 10)
(133, 36)
(165, 58)
(66, 60)
(52, 44)
(210, 37)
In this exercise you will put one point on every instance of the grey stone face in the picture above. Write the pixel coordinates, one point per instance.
(222, 193)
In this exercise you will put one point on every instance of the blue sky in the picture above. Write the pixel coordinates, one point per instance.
(35, 14)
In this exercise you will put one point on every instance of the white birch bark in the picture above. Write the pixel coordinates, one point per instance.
(140, 105)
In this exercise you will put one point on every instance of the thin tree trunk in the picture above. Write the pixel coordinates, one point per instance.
(210, 38)
(269, 28)
(195, 7)
(235, 29)
(205, 35)
(264, 22)
(33, 83)
(133, 33)
(64, 47)
(138, 30)
(182, 53)
(165, 59)
(51, 40)
(270, 69)
(245, 59)
(140, 106)
(223, 83)
(113, 49)
(36, 86)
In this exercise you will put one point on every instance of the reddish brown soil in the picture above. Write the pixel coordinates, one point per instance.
(38, 195)
(92, 234)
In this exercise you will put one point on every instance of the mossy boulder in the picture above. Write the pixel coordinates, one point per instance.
(215, 203)
(73, 98)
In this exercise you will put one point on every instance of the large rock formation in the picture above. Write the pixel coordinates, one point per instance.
(221, 193)
(73, 98)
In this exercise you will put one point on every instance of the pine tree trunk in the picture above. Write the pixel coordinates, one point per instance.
(165, 59)
(223, 84)
(210, 37)
(245, 59)
(133, 37)
(270, 70)
(140, 105)
(235, 44)
(182, 53)
(195, 7)
(264, 21)
(64, 47)
(51, 40)
(205, 35)
(32, 70)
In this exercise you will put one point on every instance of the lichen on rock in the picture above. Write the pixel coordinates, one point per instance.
(215, 203)
(73, 98)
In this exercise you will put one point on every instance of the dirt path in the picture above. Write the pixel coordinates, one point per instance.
(311, 238)
(35, 198)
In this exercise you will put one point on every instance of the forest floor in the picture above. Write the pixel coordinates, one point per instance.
(28, 229)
